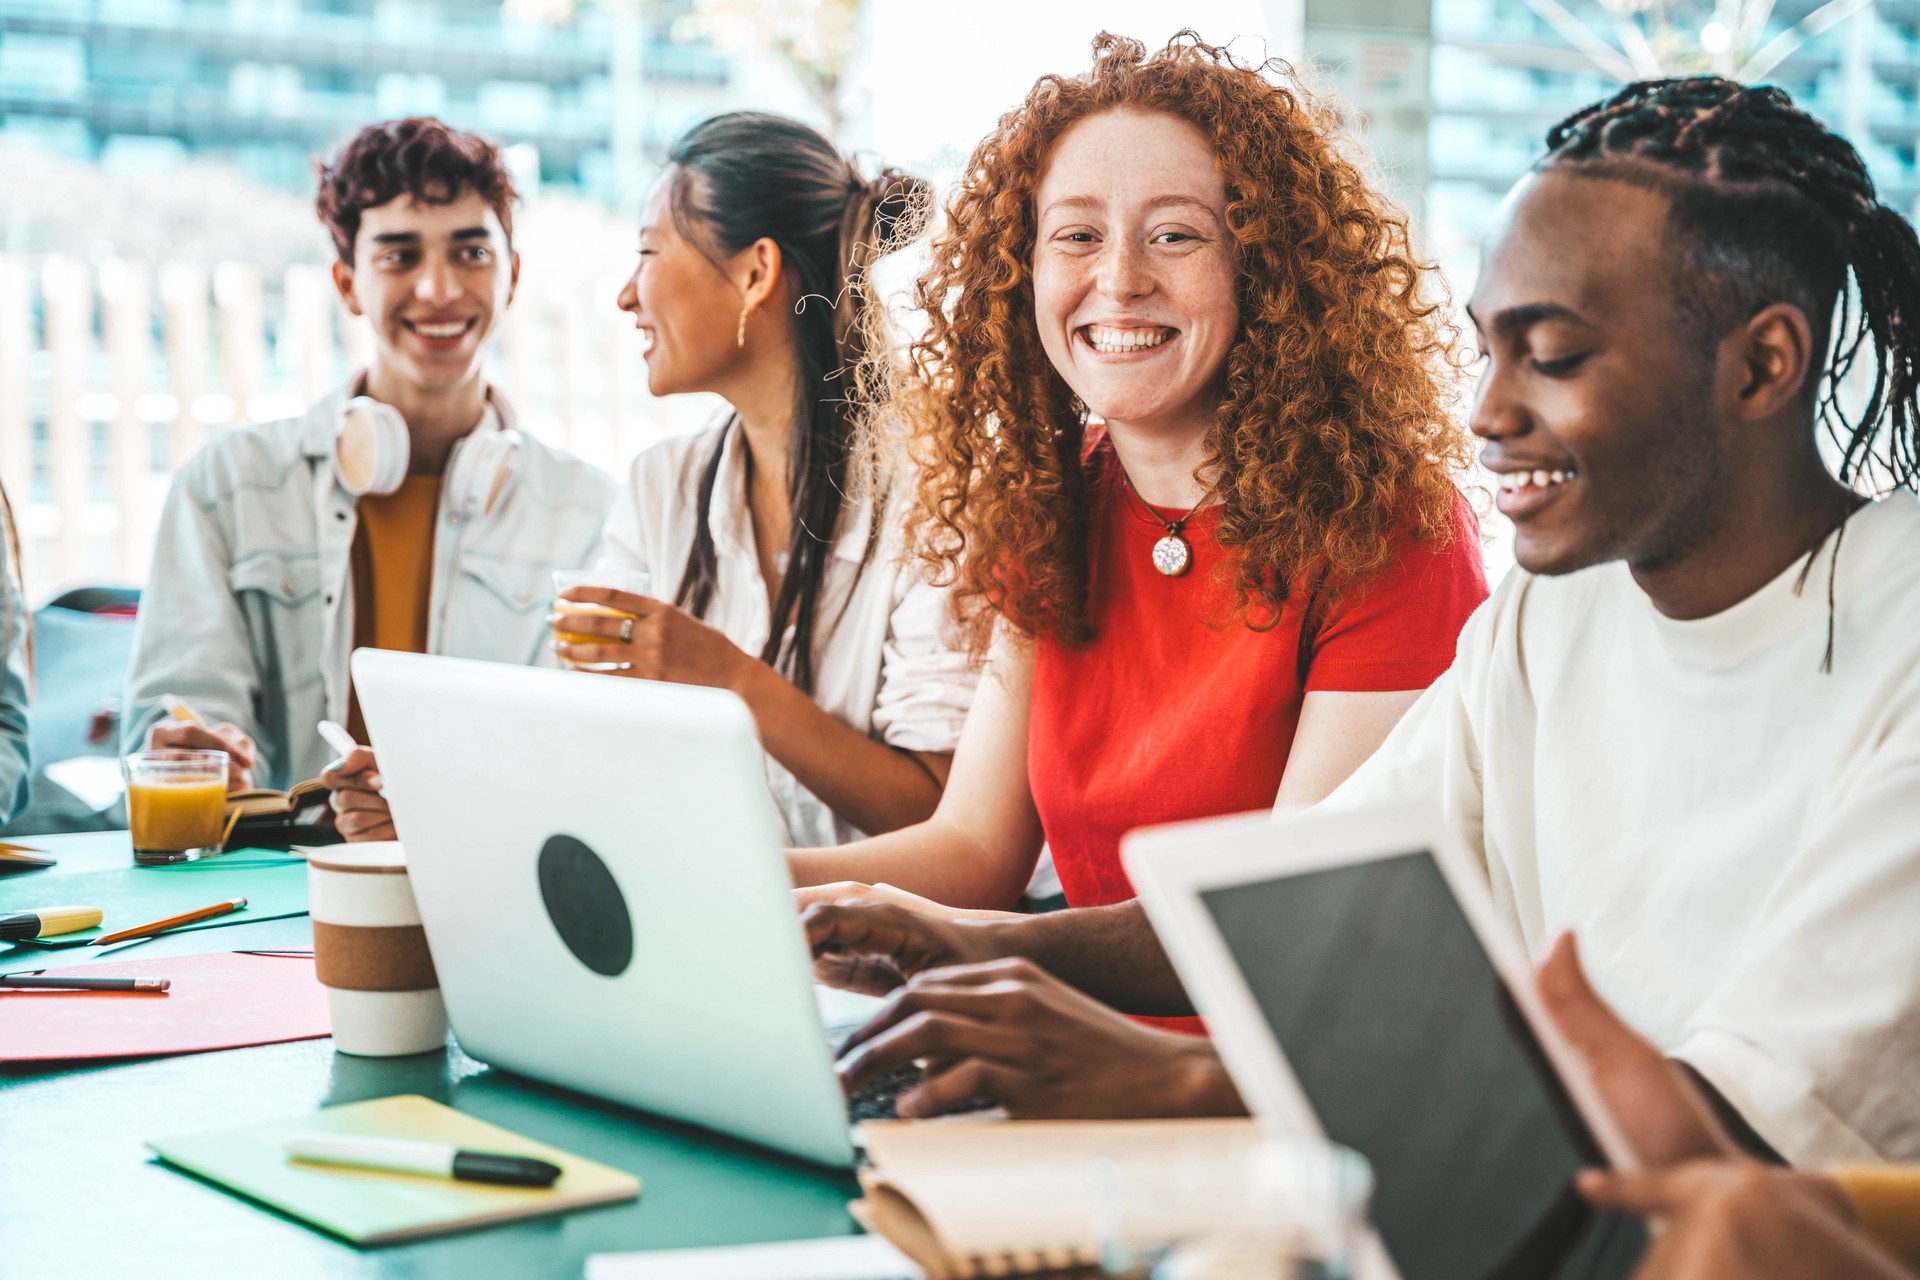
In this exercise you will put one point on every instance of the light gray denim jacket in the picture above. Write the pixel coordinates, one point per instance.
(248, 611)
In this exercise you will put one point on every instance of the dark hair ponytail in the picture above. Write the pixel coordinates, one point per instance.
(747, 176)
(1780, 206)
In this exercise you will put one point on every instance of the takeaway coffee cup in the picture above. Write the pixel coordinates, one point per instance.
(370, 952)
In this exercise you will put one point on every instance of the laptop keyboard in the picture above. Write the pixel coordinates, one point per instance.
(876, 1101)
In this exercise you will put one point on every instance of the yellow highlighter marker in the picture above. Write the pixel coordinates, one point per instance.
(47, 922)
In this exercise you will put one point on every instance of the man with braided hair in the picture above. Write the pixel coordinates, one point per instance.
(1689, 730)
(1686, 730)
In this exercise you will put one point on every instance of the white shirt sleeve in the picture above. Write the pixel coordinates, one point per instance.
(1814, 1034)
(1434, 752)
(623, 544)
(927, 676)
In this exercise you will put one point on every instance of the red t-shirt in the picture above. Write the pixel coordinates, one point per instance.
(1175, 712)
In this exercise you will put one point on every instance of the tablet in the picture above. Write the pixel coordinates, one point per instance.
(1361, 987)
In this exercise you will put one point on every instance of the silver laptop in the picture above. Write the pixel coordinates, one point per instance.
(599, 871)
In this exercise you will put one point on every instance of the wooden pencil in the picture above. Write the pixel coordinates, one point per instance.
(171, 922)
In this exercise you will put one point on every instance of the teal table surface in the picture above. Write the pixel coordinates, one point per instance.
(81, 1195)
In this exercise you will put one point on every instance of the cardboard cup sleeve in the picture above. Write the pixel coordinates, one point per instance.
(370, 952)
(389, 958)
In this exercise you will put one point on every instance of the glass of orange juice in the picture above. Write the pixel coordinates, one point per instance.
(176, 804)
(632, 581)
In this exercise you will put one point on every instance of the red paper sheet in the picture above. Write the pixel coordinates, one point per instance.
(216, 1002)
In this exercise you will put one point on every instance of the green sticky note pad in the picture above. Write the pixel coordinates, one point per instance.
(129, 896)
(374, 1207)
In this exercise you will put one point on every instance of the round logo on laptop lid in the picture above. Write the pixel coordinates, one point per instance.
(586, 906)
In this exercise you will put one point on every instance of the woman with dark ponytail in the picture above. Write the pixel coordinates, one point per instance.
(16, 660)
(773, 549)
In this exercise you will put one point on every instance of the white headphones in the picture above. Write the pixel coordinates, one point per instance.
(371, 452)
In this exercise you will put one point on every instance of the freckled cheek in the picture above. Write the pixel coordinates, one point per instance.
(1057, 291)
(1211, 343)
(1056, 296)
(1205, 296)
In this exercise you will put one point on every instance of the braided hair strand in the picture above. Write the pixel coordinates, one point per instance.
(1772, 205)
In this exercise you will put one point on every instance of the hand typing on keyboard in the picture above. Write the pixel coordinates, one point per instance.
(1009, 1034)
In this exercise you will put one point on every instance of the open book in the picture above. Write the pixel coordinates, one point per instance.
(262, 818)
(1019, 1198)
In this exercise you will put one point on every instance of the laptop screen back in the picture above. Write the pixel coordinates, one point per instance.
(1411, 1052)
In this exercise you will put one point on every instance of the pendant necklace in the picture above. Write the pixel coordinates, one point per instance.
(1171, 554)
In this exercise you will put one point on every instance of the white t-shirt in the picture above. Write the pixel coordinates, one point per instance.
(1732, 834)
(891, 666)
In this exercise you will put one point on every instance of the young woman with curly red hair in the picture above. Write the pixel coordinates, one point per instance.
(1180, 417)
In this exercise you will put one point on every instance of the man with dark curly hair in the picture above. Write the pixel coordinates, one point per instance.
(1687, 729)
(402, 511)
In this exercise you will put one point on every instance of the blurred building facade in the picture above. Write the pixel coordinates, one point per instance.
(162, 275)
(267, 84)
(1501, 77)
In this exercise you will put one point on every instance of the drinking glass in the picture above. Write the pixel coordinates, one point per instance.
(176, 804)
(1270, 1211)
(632, 581)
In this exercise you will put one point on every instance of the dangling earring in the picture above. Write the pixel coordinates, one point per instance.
(740, 337)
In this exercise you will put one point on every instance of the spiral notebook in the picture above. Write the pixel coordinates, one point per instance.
(1017, 1198)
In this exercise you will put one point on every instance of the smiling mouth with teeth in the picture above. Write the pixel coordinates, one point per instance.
(1110, 340)
(452, 329)
(1511, 481)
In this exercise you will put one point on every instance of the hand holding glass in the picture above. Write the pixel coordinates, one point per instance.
(631, 581)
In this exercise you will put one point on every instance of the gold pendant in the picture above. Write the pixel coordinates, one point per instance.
(1171, 555)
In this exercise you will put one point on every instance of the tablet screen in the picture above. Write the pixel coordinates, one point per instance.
(1406, 1043)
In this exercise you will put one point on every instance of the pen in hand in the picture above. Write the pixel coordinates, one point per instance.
(179, 708)
(336, 736)
(185, 729)
(341, 741)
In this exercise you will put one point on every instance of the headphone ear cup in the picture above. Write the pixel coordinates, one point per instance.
(483, 472)
(371, 449)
